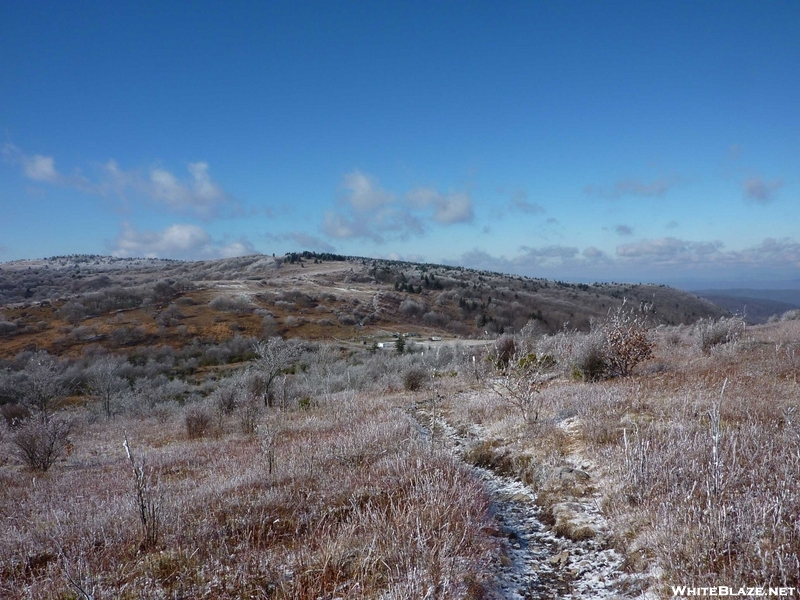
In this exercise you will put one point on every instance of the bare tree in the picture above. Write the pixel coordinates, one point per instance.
(43, 385)
(274, 357)
(105, 383)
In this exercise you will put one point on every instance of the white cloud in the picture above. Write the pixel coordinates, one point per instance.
(363, 193)
(36, 167)
(40, 168)
(368, 212)
(663, 259)
(197, 195)
(340, 226)
(447, 208)
(181, 240)
(591, 253)
(760, 191)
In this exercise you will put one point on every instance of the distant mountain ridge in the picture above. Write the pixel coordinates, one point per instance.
(785, 296)
(64, 303)
(756, 306)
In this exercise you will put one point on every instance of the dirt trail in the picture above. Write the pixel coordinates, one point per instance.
(535, 562)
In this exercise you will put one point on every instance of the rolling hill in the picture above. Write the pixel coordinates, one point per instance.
(65, 304)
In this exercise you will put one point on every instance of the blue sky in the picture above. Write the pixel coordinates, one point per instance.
(642, 141)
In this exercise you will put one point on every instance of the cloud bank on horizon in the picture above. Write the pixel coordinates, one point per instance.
(584, 142)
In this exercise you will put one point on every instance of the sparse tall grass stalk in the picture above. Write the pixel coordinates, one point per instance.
(148, 502)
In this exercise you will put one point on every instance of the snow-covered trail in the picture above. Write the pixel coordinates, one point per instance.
(535, 562)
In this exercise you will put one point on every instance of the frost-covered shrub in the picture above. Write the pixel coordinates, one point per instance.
(414, 379)
(197, 421)
(411, 308)
(588, 356)
(435, 319)
(240, 304)
(791, 315)
(7, 327)
(627, 342)
(40, 444)
(710, 333)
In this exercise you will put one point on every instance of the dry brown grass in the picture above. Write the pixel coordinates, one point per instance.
(352, 507)
(700, 487)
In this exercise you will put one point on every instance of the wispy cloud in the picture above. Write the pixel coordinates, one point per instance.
(771, 254)
(367, 211)
(183, 241)
(197, 195)
(623, 230)
(519, 201)
(41, 168)
(668, 250)
(529, 261)
(363, 193)
(447, 208)
(760, 191)
(634, 187)
(735, 151)
(666, 258)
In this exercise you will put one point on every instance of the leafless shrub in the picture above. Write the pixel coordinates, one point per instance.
(712, 333)
(248, 412)
(412, 308)
(611, 349)
(520, 383)
(226, 395)
(15, 414)
(83, 333)
(435, 319)
(7, 327)
(347, 319)
(504, 350)
(198, 421)
(414, 379)
(268, 326)
(235, 304)
(627, 342)
(170, 316)
(73, 312)
(128, 335)
(588, 356)
(292, 321)
(791, 315)
(40, 444)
